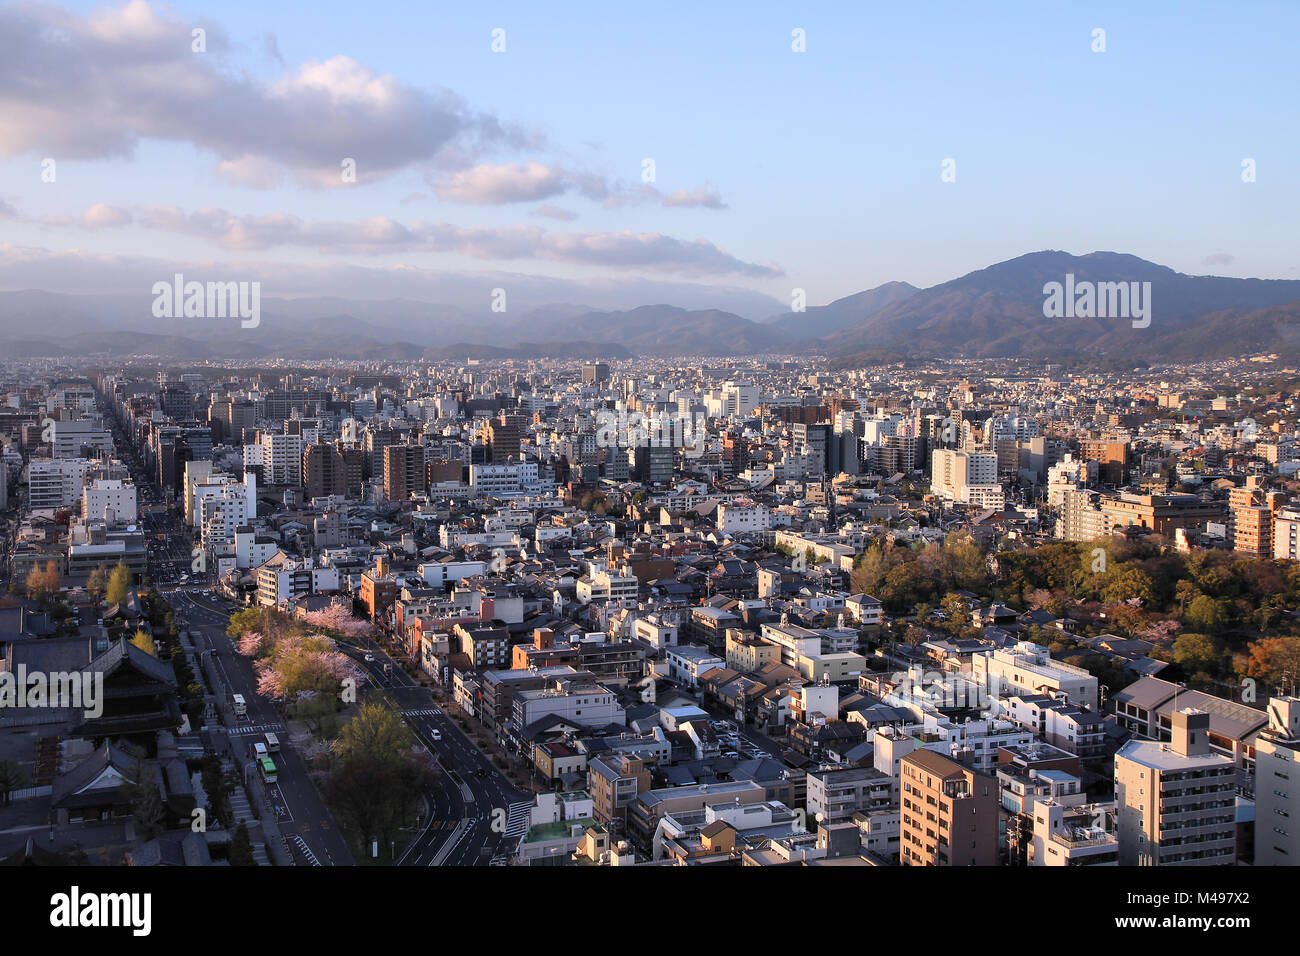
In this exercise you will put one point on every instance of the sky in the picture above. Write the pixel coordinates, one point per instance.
(774, 169)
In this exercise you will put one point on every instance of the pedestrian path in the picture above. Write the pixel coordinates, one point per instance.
(243, 813)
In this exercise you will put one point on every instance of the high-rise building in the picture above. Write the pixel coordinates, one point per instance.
(967, 476)
(323, 471)
(1177, 800)
(813, 441)
(282, 459)
(1277, 785)
(1251, 514)
(1111, 456)
(403, 471)
(503, 440)
(949, 813)
(595, 373)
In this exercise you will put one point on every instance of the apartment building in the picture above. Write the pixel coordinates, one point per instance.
(56, 483)
(1081, 835)
(1286, 534)
(281, 459)
(688, 662)
(104, 495)
(966, 476)
(403, 471)
(1277, 785)
(1177, 801)
(836, 795)
(949, 813)
(606, 586)
(615, 781)
(1028, 668)
(577, 700)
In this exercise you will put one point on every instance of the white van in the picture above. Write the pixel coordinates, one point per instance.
(273, 743)
(259, 750)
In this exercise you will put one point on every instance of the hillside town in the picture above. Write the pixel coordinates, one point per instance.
(691, 612)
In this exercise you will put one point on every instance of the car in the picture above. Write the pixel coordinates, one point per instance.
(370, 658)
(762, 754)
(435, 734)
(732, 754)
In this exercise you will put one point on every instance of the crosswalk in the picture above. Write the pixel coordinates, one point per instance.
(519, 817)
(245, 729)
(427, 712)
(306, 850)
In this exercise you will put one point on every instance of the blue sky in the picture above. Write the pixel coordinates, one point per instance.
(826, 163)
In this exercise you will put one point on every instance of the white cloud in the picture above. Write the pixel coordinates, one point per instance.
(95, 86)
(100, 216)
(555, 212)
(380, 235)
(505, 183)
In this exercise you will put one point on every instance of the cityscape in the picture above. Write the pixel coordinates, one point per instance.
(420, 461)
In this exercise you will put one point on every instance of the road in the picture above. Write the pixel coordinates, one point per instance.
(473, 791)
(299, 808)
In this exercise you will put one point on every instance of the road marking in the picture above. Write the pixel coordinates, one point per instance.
(306, 850)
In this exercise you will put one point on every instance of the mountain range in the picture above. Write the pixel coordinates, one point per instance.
(992, 312)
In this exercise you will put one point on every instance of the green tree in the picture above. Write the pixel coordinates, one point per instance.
(1205, 614)
(147, 810)
(11, 778)
(374, 733)
(1125, 584)
(241, 847)
(1197, 652)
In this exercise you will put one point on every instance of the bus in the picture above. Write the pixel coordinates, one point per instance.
(241, 708)
(267, 766)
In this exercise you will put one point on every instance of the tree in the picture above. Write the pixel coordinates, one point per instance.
(969, 569)
(241, 847)
(11, 778)
(1206, 614)
(119, 584)
(869, 575)
(97, 583)
(143, 640)
(44, 583)
(147, 810)
(1274, 660)
(1197, 652)
(1127, 584)
(374, 733)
